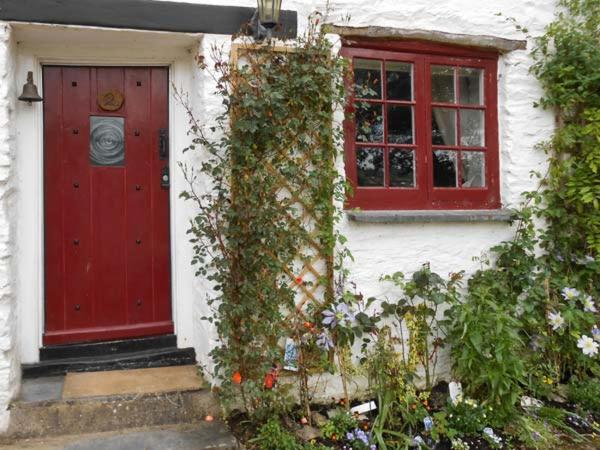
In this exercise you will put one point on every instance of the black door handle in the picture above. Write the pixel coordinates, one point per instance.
(163, 143)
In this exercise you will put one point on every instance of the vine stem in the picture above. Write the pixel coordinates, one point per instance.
(344, 377)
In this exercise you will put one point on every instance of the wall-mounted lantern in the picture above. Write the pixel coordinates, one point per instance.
(30, 91)
(268, 18)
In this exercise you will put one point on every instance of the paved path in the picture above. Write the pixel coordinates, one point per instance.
(205, 436)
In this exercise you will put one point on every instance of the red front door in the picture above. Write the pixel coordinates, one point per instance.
(107, 259)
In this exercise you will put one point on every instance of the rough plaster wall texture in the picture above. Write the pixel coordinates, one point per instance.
(207, 106)
(385, 248)
(9, 367)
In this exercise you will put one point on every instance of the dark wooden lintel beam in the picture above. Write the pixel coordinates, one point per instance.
(140, 15)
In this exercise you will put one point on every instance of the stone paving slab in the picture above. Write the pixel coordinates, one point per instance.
(136, 381)
(203, 436)
(41, 389)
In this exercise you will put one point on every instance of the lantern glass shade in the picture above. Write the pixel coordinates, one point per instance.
(268, 12)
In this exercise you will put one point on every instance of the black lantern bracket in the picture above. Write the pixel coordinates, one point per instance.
(265, 19)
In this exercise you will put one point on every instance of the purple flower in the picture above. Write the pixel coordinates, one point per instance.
(588, 304)
(358, 435)
(324, 341)
(340, 313)
(596, 333)
(570, 293)
(535, 343)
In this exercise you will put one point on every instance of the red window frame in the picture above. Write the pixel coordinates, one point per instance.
(424, 195)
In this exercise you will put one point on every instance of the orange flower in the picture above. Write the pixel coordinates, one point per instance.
(298, 280)
(237, 378)
(309, 325)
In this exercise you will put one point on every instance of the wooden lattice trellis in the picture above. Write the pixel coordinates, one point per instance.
(310, 272)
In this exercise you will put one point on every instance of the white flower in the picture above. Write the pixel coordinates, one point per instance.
(588, 304)
(556, 320)
(570, 293)
(587, 345)
(596, 333)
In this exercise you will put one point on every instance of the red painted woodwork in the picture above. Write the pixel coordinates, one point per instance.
(424, 195)
(107, 257)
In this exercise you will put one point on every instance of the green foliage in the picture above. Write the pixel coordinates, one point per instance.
(568, 66)
(248, 235)
(416, 310)
(272, 436)
(534, 433)
(586, 394)
(466, 417)
(487, 347)
(337, 427)
(518, 329)
(401, 408)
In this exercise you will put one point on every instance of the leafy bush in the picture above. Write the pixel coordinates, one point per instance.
(337, 427)
(466, 417)
(417, 310)
(586, 394)
(487, 348)
(272, 436)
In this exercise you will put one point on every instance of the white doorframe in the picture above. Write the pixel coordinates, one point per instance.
(173, 50)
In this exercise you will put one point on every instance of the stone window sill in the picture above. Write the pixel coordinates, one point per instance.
(442, 216)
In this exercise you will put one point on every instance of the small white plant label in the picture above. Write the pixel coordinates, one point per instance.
(290, 357)
(364, 408)
(456, 392)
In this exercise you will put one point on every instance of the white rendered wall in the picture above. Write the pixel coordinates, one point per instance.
(9, 367)
(385, 248)
(377, 248)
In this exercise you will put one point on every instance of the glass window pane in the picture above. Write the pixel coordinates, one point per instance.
(473, 169)
(442, 84)
(399, 80)
(369, 122)
(107, 141)
(443, 126)
(472, 130)
(444, 168)
(471, 86)
(367, 78)
(369, 165)
(400, 124)
(402, 168)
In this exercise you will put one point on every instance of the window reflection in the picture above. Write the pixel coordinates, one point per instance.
(367, 78)
(442, 84)
(444, 168)
(473, 169)
(400, 124)
(369, 165)
(402, 168)
(443, 126)
(399, 80)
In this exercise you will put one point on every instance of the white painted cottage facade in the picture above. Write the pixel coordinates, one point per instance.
(378, 248)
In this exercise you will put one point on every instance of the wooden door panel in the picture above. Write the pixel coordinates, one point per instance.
(160, 210)
(107, 250)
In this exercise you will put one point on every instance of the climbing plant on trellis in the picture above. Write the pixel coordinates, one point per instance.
(264, 234)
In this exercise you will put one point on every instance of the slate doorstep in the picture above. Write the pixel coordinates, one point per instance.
(202, 436)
